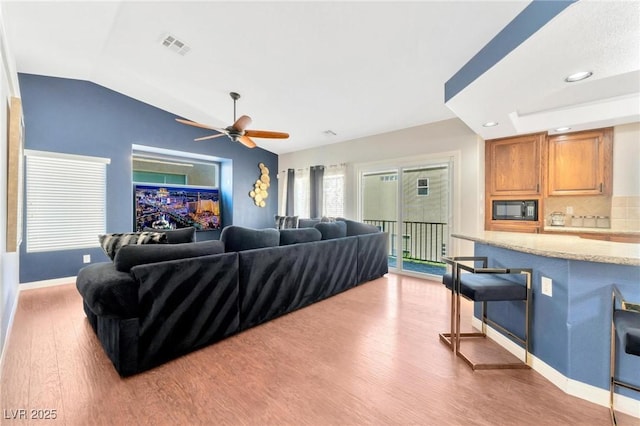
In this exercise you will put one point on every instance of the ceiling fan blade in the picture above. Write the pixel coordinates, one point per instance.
(202, 126)
(204, 138)
(266, 134)
(246, 141)
(242, 123)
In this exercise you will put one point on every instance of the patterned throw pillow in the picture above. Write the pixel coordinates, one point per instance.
(286, 222)
(112, 242)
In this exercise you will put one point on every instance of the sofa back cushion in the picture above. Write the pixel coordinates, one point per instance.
(299, 235)
(331, 230)
(111, 243)
(358, 228)
(177, 236)
(132, 255)
(307, 223)
(239, 238)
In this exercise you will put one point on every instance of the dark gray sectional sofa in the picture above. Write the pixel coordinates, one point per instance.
(156, 302)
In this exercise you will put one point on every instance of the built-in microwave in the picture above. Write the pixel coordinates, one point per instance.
(515, 210)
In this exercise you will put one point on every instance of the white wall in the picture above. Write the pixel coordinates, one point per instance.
(9, 266)
(430, 140)
(445, 137)
(626, 160)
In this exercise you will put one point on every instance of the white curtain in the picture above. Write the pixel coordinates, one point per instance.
(334, 190)
(302, 191)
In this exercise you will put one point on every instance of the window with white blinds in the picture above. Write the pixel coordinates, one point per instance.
(66, 200)
(334, 185)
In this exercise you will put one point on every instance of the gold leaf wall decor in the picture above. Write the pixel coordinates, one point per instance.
(259, 192)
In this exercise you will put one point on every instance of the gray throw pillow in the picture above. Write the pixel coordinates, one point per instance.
(286, 222)
(110, 243)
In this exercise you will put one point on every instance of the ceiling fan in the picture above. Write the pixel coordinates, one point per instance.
(238, 131)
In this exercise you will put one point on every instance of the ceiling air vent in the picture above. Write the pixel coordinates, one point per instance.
(175, 45)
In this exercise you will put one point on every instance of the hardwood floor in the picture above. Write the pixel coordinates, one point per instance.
(370, 355)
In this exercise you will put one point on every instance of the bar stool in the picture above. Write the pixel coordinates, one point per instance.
(449, 280)
(625, 328)
(492, 285)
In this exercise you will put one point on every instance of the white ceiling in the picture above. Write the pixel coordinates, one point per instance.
(356, 68)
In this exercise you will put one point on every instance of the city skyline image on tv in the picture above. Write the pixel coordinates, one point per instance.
(174, 207)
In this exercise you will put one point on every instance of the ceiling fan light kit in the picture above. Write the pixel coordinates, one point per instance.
(238, 131)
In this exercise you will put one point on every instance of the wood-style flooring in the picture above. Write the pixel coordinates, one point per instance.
(369, 356)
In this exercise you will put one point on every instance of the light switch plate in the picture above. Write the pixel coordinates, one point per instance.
(547, 286)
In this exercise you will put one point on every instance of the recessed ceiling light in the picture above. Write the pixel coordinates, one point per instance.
(562, 129)
(490, 124)
(578, 76)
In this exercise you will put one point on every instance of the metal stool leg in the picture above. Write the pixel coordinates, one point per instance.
(450, 339)
(616, 296)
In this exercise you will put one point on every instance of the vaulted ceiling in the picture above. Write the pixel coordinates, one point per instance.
(352, 68)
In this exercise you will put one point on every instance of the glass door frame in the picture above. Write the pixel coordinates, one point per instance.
(399, 165)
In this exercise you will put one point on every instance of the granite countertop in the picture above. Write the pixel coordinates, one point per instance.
(586, 230)
(560, 246)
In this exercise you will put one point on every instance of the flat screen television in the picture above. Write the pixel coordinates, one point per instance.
(174, 206)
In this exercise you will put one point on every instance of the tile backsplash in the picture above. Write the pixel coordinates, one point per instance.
(624, 212)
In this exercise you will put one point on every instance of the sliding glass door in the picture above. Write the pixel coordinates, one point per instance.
(411, 204)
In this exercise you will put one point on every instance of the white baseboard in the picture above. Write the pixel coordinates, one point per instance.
(46, 283)
(594, 394)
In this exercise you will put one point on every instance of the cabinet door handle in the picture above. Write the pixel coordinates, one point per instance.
(600, 186)
(538, 187)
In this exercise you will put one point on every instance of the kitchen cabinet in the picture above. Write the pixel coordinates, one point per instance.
(513, 166)
(514, 226)
(513, 171)
(580, 163)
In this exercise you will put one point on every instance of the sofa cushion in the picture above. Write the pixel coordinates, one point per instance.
(108, 292)
(307, 223)
(238, 238)
(286, 222)
(299, 235)
(112, 242)
(177, 236)
(331, 230)
(133, 255)
(358, 228)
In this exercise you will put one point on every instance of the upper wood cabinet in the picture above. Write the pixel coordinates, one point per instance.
(513, 166)
(580, 163)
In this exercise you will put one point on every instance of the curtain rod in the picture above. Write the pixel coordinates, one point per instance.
(307, 168)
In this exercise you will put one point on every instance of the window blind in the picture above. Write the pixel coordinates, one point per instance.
(334, 188)
(66, 200)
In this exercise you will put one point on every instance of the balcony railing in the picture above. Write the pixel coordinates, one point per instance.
(424, 241)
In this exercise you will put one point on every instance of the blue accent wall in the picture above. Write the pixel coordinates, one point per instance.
(80, 117)
(570, 331)
(531, 19)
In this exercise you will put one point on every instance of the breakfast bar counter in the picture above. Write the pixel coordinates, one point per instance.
(560, 246)
(571, 320)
